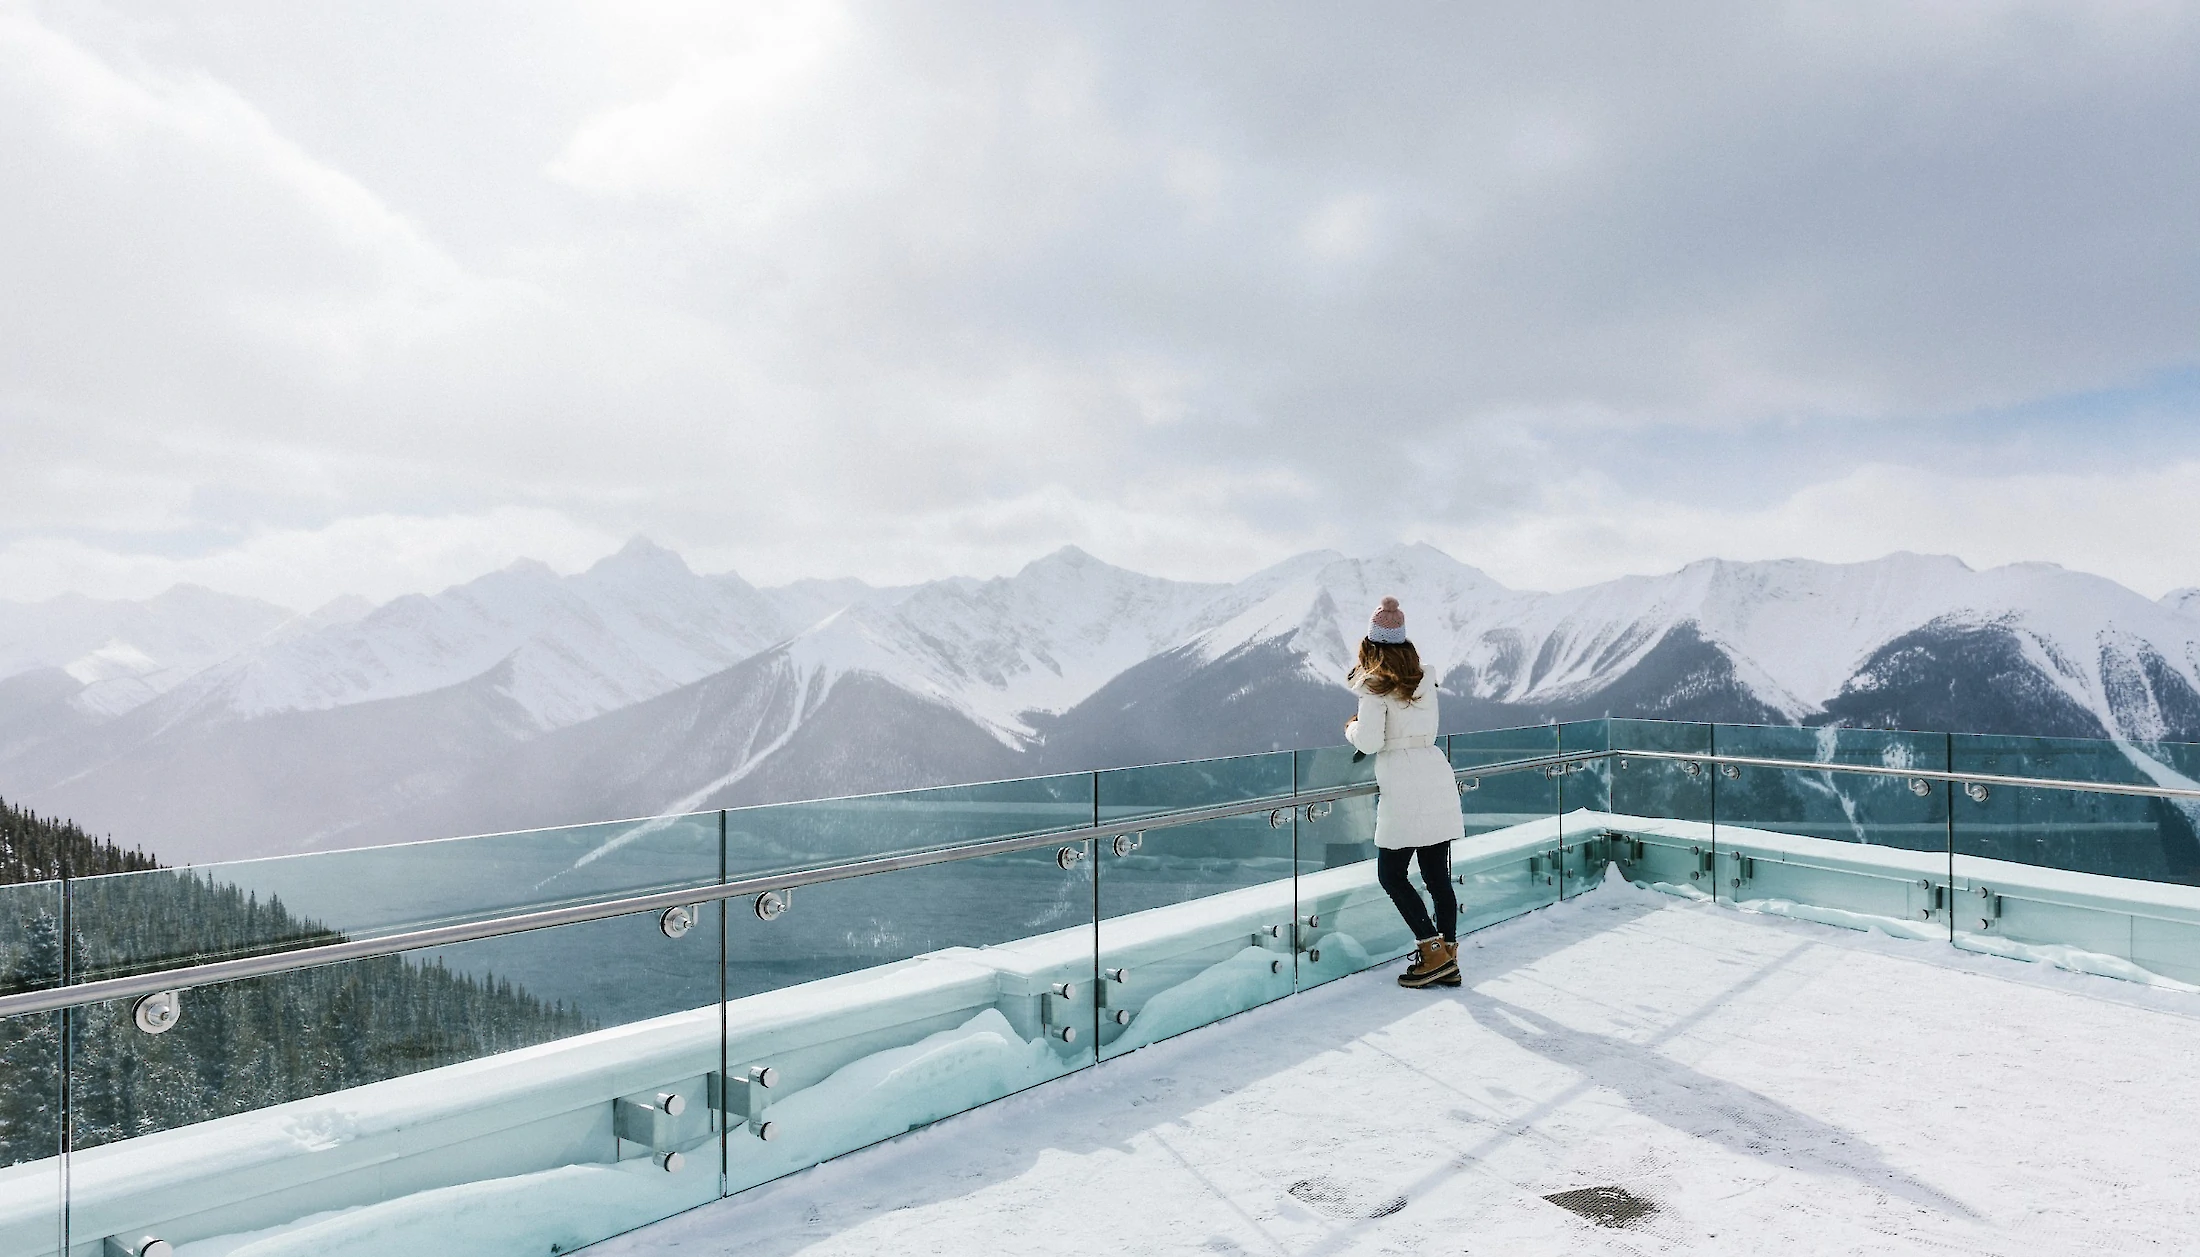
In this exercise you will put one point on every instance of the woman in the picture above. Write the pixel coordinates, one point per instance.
(1417, 814)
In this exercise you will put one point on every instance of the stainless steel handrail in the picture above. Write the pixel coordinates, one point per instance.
(211, 973)
(26, 1003)
(1924, 774)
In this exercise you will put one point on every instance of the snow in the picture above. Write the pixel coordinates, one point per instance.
(124, 652)
(402, 1122)
(1039, 641)
(1247, 978)
(1797, 630)
(886, 1093)
(1318, 604)
(1771, 1085)
(634, 626)
(552, 1211)
(806, 602)
(639, 624)
(2098, 891)
(870, 1054)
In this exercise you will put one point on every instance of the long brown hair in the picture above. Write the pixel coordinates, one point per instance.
(1387, 668)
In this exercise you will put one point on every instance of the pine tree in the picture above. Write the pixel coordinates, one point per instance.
(38, 849)
(241, 1046)
(30, 1055)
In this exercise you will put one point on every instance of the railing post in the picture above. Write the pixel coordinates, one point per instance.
(1948, 794)
(1711, 741)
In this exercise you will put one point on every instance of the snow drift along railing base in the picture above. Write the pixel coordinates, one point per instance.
(528, 1042)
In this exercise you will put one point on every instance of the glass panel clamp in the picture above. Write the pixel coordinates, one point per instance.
(677, 920)
(158, 1013)
(740, 1096)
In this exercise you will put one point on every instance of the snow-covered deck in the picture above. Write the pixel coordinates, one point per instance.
(1771, 1085)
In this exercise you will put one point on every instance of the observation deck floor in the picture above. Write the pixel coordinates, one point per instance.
(1764, 1084)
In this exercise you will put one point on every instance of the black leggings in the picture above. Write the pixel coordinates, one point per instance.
(1390, 870)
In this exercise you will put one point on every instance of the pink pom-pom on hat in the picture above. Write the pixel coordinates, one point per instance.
(1388, 624)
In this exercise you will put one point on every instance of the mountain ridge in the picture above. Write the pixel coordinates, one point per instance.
(525, 698)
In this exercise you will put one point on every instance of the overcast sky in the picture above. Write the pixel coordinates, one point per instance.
(299, 300)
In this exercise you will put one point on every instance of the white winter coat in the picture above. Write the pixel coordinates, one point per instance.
(1419, 804)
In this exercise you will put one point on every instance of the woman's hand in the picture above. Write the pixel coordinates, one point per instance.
(1348, 725)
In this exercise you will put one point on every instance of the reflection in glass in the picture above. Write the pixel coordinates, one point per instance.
(134, 922)
(1340, 899)
(1197, 923)
(1128, 793)
(2112, 881)
(436, 1102)
(1330, 767)
(1500, 746)
(30, 1073)
(782, 837)
(1508, 863)
(2108, 834)
(867, 1007)
(1661, 808)
(1795, 834)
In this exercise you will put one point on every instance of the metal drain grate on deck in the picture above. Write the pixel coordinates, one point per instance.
(1605, 1206)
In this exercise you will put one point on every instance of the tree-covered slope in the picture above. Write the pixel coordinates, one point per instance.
(240, 1046)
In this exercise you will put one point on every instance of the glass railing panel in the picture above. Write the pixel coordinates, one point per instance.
(132, 922)
(1658, 830)
(1198, 922)
(1129, 793)
(1332, 767)
(525, 1094)
(877, 1004)
(30, 937)
(1499, 746)
(1585, 798)
(1509, 861)
(2104, 834)
(31, 1219)
(1859, 849)
(1853, 808)
(1682, 737)
(1349, 921)
(1335, 857)
(1576, 736)
(30, 1074)
(783, 837)
(2086, 879)
(1656, 735)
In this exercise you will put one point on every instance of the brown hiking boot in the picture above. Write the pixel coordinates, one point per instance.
(1437, 961)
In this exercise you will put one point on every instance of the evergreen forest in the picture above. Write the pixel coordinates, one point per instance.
(240, 1046)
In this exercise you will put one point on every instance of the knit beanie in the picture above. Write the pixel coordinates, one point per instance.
(1388, 625)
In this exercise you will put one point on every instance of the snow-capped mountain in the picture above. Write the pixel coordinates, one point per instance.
(807, 602)
(633, 626)
(525, 699)
(1794, 640)
(1001, 650)
(877, 701)
(121, 653)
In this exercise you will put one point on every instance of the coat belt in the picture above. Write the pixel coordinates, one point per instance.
(1409, 743)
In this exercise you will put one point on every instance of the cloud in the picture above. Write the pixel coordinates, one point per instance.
(2119, 525)
(892, 290)
(377, 556)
